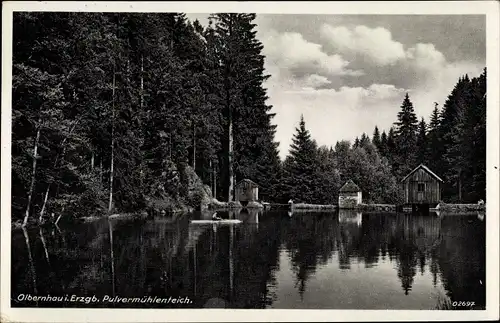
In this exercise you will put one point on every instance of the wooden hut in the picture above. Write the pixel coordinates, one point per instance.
(421, 187)
(247, 191)
(350, 195)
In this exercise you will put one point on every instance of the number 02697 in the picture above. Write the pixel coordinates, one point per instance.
(463, 303)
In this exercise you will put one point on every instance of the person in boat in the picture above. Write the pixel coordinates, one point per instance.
(215, 217)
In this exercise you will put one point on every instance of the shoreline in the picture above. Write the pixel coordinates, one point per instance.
(444, 208)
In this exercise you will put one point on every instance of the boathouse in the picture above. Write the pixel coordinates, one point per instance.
(350, 195)
(421, 188)
(247, 191)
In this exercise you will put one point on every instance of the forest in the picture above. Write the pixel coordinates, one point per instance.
(110, 110)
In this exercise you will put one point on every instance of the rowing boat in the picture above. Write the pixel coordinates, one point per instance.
(224, 221)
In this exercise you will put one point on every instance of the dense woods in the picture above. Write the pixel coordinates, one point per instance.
(111, 110)
(452, 144)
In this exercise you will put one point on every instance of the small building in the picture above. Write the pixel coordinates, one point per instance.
(350, 195)
(421, 187)
(247, 191)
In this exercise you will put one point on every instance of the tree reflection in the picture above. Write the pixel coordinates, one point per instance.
(310, 240)
(239, 263)
(461, 258)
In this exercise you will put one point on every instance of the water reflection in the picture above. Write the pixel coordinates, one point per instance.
(379, 260)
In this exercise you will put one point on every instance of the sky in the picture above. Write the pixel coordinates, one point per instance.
(347, 74)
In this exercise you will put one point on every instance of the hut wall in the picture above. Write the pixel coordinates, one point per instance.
(349, 200)
(432, 188)
(247, 193)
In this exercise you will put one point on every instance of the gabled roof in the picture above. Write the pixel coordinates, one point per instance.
(252, 183)
(350, 186)
(424, 168)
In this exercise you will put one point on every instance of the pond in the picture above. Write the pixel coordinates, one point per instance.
(273, 259)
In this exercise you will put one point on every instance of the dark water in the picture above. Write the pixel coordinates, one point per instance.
(271, 260)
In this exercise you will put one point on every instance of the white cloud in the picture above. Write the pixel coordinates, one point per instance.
(333, 115)
(300, 70)
(375, 44)
(291, 51)
(315, 81)
(439, 84)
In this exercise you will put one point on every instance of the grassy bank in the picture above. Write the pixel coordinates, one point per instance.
(460, 208)
(314, 207)
(377, 207)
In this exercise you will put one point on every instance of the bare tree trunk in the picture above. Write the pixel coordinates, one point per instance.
(215, 185)
(141, 125)
(33, 174)
(44, 246)
(142, 82)
(194, 146)
(211, 177)
(59, 217)
(31, 262)
(44, 203)
(230, 160)
(112, 145)
(58, 159)
(100, 170)
(230, 126)
(460, 186)
(170, 146)
(110, 226)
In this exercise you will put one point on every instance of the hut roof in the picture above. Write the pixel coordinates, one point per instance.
(350, 186)
(422, 166)
(246, 180)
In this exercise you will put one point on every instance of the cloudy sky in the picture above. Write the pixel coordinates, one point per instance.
(348, 73)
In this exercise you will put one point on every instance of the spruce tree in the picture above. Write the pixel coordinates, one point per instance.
(251, 151)
(365, 140)
(476, 129)
(421, 143)
(451, 131)
(302, 166)
(434, 147)
(392, 150)
(406, 133)
(376, 138)
(383, 144)
(356, 143)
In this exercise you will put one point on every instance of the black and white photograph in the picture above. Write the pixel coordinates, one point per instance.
(249, 159)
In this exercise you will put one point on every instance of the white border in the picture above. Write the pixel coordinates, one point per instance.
(490, 8)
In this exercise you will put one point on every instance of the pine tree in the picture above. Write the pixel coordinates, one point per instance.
(405, 132)
(365, 140)
(301, 169)
(422, 143)
(434, 147)
(356, 142)
(376, 138)
(451, 130)
(383, 144)
(251, 151)
(476, 129)
(391, 151)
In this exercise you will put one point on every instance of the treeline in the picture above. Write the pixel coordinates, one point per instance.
(453, 145)
(110, 109)
(315, 174)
